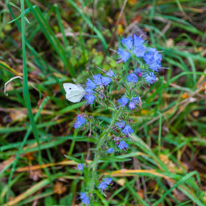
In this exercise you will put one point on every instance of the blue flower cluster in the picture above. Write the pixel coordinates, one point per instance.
(134, 46)
(84, 198)
(79, 121)
(103, 185)
(98, 81)
(126, 130)
(132, 102)
(149, 61)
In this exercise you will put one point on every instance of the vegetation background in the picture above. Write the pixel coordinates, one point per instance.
(65, 41)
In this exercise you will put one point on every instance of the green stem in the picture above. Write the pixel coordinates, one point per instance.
(102, 139)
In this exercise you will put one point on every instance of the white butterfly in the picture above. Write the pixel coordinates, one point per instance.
(74, 93)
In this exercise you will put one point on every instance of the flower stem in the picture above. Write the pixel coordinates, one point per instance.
(102, 139)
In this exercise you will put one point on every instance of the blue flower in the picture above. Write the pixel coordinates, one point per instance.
(123, 101)
(82, 195)
(102, 186)
(131, 105)
(108, 180)
(153, 59)
(89, 91)
(150, 78)
(100, 80)
(132, 78)
(127, 130)
(124, 55)
(90, 84)
(86, 200)
(110, 73)
(90, 98)
(106, 81)
(120, 124)
(128, 42)
(133, 102)
(138, 41)
(80, 166)
(110, 150)
(97, 79)
(123, 145)
(79, 122)
(139, 51)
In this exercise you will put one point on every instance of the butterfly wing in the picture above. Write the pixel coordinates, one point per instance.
(75, 96)
(70, 87)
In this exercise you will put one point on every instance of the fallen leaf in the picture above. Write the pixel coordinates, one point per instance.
(35, 174)
(141, 194)
(18, 115)
(121, 181)
(59, 188)
(29, 156)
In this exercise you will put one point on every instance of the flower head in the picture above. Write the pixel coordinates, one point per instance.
(133, 102)
(123, 101)
(110, 150)
(97, 79)
(153, 59)
(123, 145)
(150, 78)
(89, 91)
(139, 51)
(86, 200)
(127, 130)
(90, 98)
(110, 73)
(124, 55)
(138, 41)
(100, 80)
(106, 81)
(80, 166)
(132, 78)
(120, 124)
(90, 84)
(131, 105)
(79, 121)
(82, 195)
(108, 180)
(128, 42)
(102, 186)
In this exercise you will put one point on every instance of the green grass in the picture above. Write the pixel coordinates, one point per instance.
(167, 153)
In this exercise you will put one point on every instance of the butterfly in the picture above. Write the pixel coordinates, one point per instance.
(74, 93)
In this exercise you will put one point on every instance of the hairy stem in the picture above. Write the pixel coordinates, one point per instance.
(102, 139)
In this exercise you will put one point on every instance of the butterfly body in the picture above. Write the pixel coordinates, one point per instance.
(74, 93)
